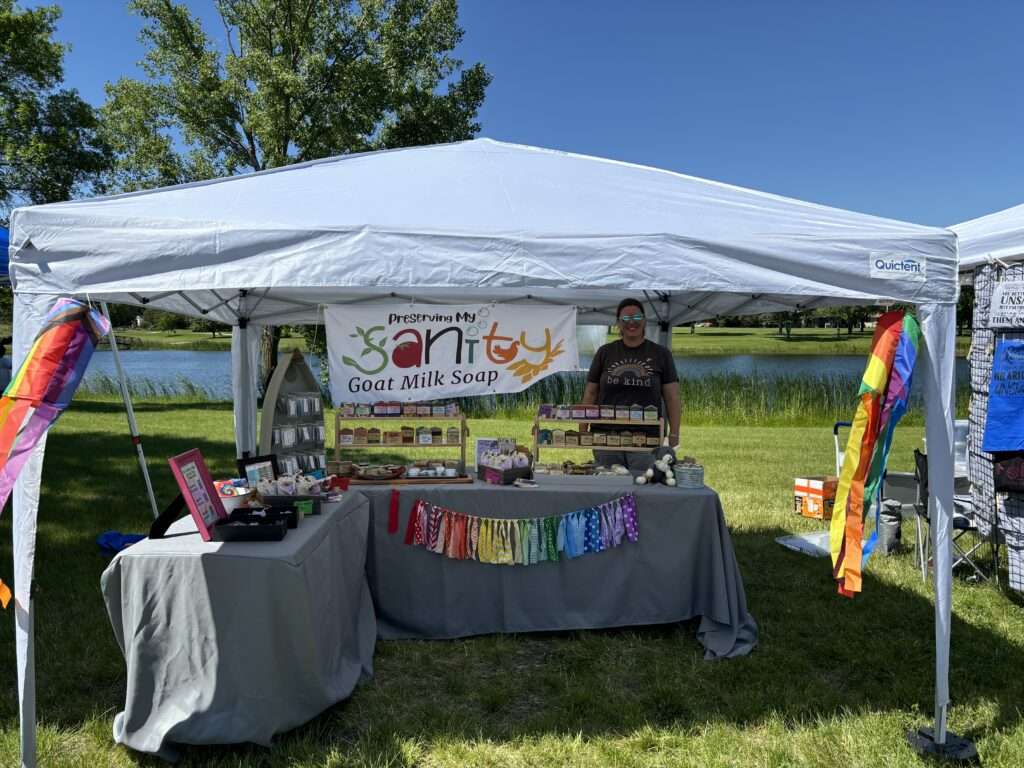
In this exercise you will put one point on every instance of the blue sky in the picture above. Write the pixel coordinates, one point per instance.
(905, 109)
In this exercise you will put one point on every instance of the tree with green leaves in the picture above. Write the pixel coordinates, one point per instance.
(286, 81)
(49, 143)
(212, 327)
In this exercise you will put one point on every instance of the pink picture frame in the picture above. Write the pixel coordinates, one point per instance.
(197, 488)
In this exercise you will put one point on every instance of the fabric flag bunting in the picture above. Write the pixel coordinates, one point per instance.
(501, 541)
(883, 399)
(43, 387)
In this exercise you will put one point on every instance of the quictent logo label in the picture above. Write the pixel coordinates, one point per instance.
(889, 266)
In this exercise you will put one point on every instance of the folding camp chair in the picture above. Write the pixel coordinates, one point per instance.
(963, 523)
(839, 448)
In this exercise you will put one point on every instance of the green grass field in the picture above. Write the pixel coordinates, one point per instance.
(704, 341)
(833, 682)
(768, 341)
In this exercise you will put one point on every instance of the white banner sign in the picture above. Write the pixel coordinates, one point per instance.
(417, 352)
(1007, 308)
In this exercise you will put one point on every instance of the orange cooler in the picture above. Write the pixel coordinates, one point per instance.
(814, 497)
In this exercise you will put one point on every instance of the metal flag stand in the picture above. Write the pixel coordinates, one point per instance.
(132, 426)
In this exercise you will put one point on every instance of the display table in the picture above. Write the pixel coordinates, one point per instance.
(234, 642)
(682, 567)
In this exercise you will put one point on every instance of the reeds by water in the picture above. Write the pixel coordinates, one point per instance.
(709, 400)
(184, 389)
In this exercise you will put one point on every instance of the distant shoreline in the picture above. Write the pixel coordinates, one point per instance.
(705, 342)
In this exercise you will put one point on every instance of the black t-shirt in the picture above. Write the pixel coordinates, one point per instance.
(632, 375)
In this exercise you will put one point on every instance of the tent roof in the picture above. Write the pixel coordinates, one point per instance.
(470, 221)
(999, 235)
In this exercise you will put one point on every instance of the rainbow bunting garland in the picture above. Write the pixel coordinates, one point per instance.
(43, 387)
(884, 394)
(522, 541)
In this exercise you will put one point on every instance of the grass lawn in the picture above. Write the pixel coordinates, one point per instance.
(833, 682)
(767, 341)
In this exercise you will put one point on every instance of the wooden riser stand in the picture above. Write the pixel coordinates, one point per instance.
(399, 421)
(546, 420)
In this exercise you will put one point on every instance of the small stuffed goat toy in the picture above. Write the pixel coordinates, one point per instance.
(661, 472)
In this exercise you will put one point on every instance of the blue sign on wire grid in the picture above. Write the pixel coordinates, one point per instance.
(1004, 428)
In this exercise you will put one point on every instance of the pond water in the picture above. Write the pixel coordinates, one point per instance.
(211, 371)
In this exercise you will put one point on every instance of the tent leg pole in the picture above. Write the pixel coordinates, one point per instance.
(28, 699)
(938, 327)
(132, 425)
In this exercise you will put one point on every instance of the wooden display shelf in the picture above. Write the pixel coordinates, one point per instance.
(360, 446)
(291, 376)
(538, 420)
(647, 448)
(398, 421)
(610, 422)
(341, 417)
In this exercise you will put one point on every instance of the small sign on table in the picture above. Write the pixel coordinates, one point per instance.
(197, 488)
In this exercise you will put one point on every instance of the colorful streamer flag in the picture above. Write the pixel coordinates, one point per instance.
(529, 541)
(43, 387)
(884, 394)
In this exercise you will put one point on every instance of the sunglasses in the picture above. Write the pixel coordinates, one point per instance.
(630, 318)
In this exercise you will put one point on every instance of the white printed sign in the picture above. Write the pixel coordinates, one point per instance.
(1007, 308)
(424, 352)
(891, 266)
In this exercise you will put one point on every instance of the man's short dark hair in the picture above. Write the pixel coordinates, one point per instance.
(629, 303)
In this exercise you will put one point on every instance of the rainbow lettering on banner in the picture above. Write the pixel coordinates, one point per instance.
(43, 387)
(414, 353)
(884, 395)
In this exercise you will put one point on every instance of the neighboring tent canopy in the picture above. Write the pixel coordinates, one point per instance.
(4, 242)
(998, 235)
(473, 221)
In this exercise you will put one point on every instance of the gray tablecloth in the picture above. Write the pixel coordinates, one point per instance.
(683, 566)
(234, 642)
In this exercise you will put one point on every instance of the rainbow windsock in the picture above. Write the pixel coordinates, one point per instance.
(43, 387)
(884, 394)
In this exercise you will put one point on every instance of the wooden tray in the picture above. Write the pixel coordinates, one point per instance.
(413, 481)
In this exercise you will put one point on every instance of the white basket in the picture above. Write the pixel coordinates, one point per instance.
(689, 476)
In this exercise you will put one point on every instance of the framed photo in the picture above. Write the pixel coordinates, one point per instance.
(483, 445)
(256, 468)
(196, 486)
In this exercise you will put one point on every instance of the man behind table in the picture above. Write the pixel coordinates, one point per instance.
(634, 371)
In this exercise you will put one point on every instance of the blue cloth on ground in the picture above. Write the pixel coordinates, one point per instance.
(115, 541)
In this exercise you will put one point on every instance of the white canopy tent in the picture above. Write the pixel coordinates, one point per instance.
(997, 236)
(477, 221)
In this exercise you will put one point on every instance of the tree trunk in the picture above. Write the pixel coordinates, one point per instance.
(270, 339)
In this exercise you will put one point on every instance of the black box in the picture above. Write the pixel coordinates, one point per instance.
(238, 530)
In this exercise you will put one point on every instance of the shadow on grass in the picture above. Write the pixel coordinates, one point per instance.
(819, 655)
(147, 406)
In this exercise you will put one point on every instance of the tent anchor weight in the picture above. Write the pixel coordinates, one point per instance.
(954, 750)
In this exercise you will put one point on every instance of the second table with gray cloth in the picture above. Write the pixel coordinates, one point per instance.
(234, 642)
(682, 567)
